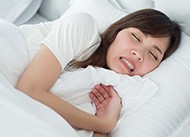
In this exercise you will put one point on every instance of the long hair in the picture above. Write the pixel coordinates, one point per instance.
(149, 21)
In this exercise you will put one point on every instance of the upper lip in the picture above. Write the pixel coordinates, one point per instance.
(128, 63)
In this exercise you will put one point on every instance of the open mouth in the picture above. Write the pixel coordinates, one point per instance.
(130, 66)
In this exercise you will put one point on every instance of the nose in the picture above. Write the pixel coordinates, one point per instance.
(138, 55)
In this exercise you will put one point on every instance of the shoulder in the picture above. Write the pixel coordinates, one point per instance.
(82, 30)
(80, 21)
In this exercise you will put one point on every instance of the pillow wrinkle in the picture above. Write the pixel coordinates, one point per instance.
(12, 9)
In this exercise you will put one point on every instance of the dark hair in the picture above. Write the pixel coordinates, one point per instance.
(149, 21)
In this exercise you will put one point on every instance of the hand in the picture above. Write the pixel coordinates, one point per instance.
(107, 102)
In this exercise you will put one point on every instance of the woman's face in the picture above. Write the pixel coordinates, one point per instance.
(134, 53)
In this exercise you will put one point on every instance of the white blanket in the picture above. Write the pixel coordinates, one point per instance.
(21, 116)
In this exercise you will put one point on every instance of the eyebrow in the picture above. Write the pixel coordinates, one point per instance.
(158, 49)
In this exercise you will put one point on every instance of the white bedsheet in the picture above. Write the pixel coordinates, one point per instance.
(34, 119)
(21, 116)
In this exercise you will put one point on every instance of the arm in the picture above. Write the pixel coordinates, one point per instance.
(99, 135)
(39, 77)
(105, 99)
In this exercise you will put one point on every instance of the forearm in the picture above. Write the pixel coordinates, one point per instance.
(99, 135)
(76, 117)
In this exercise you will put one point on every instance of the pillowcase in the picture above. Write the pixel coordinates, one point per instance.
(52, 9)
(12, 9)
(28, 13)
(108, 11)
(18, 11)
(12, 43)
(104, 13)
(179, 12)
(133, 5)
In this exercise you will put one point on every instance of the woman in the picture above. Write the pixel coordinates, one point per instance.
(134, 45)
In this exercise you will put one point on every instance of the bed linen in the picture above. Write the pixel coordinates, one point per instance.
(37, 18)
(167, 113)
(22, 116)
(19, 11)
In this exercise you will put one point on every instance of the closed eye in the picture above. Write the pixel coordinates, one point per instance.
(135, 36)
(153, 55)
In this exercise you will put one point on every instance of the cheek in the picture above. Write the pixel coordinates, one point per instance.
(152, 67)
(149, 66)
(122, 41)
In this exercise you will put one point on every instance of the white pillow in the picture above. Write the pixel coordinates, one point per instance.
(166, 111)
(28, 13)
(101, 10)
(108, 11)
(12, 9)
(13, 53)
(18, 11)
(52, 9)
(179, 11)
(133, 5)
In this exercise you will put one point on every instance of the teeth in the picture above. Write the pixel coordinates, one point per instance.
(128, 63)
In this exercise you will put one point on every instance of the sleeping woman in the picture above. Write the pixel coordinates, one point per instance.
(133, 46)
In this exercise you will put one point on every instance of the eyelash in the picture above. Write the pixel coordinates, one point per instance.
(154, 56)
(135, 37)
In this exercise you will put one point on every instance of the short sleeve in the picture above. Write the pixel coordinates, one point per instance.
(71, 36)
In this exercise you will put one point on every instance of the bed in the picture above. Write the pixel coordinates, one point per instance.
(165, 114)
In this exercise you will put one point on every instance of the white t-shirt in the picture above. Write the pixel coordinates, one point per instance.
(66, 37)
(71, 36)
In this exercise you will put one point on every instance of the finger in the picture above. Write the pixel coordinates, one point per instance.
(103, 90)
(97, 92)
(112, 92)
(106, 93)
(94, 99)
